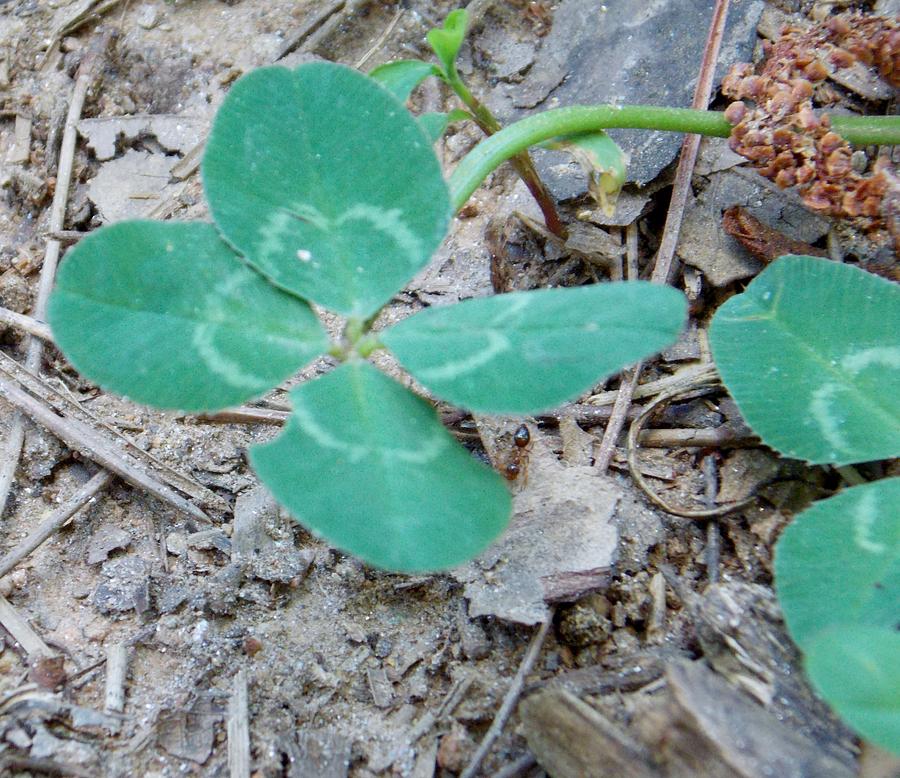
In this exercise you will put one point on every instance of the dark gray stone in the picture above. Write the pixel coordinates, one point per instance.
(125, 586)
(629, 53)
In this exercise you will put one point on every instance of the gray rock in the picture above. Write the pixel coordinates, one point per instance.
(105, 539)
(624, 53)
(706, 246)
(262, 541)
(126, 586)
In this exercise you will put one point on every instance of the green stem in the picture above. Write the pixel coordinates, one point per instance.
(521, 160)
(515, 138)
(356, 340)
(367, 345)
(868, 130)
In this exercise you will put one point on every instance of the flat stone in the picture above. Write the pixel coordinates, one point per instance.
(624, 53)
(126, 586)
(130, 186)
(707, 247)
(107, 538)
(561, 543)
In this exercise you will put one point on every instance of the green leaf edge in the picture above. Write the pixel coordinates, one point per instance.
(290, 289)
(739, 400)
(791, 554)
(401, 76)
(135, 393)
(259, 453)
(510, 409)
(860, 647)
(447, 40)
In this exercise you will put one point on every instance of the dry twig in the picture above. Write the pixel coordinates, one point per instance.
(13, 447)
(55, 520)
(672, 229)
(27, 323)
(703, 384)
(713, 538)
(320, 25)
(21, 631)
(511, 698)
(94, 440)
(373, 49)
(67, 410)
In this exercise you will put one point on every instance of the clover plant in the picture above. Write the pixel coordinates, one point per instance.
(324, 190)
(810, 352)
(579, 129)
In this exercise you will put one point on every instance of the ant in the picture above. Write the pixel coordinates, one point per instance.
(517, 463)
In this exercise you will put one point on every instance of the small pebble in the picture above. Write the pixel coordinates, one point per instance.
(252, 646)
(147, 17)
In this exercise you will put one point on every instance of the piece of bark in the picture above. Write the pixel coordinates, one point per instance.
(571, 740)
(698, 725)
(703, 243)
(740, 630)
(47, 672)
(426, 759)
(131, 185)
(717, 731)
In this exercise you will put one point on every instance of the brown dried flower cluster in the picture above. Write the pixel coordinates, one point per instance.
(788, 143)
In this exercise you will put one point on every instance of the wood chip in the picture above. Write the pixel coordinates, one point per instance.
(239, 728)
(20, 631)
(21, 150)
(570, 739)
(116, 671)
(381, 688)
(717, 730)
